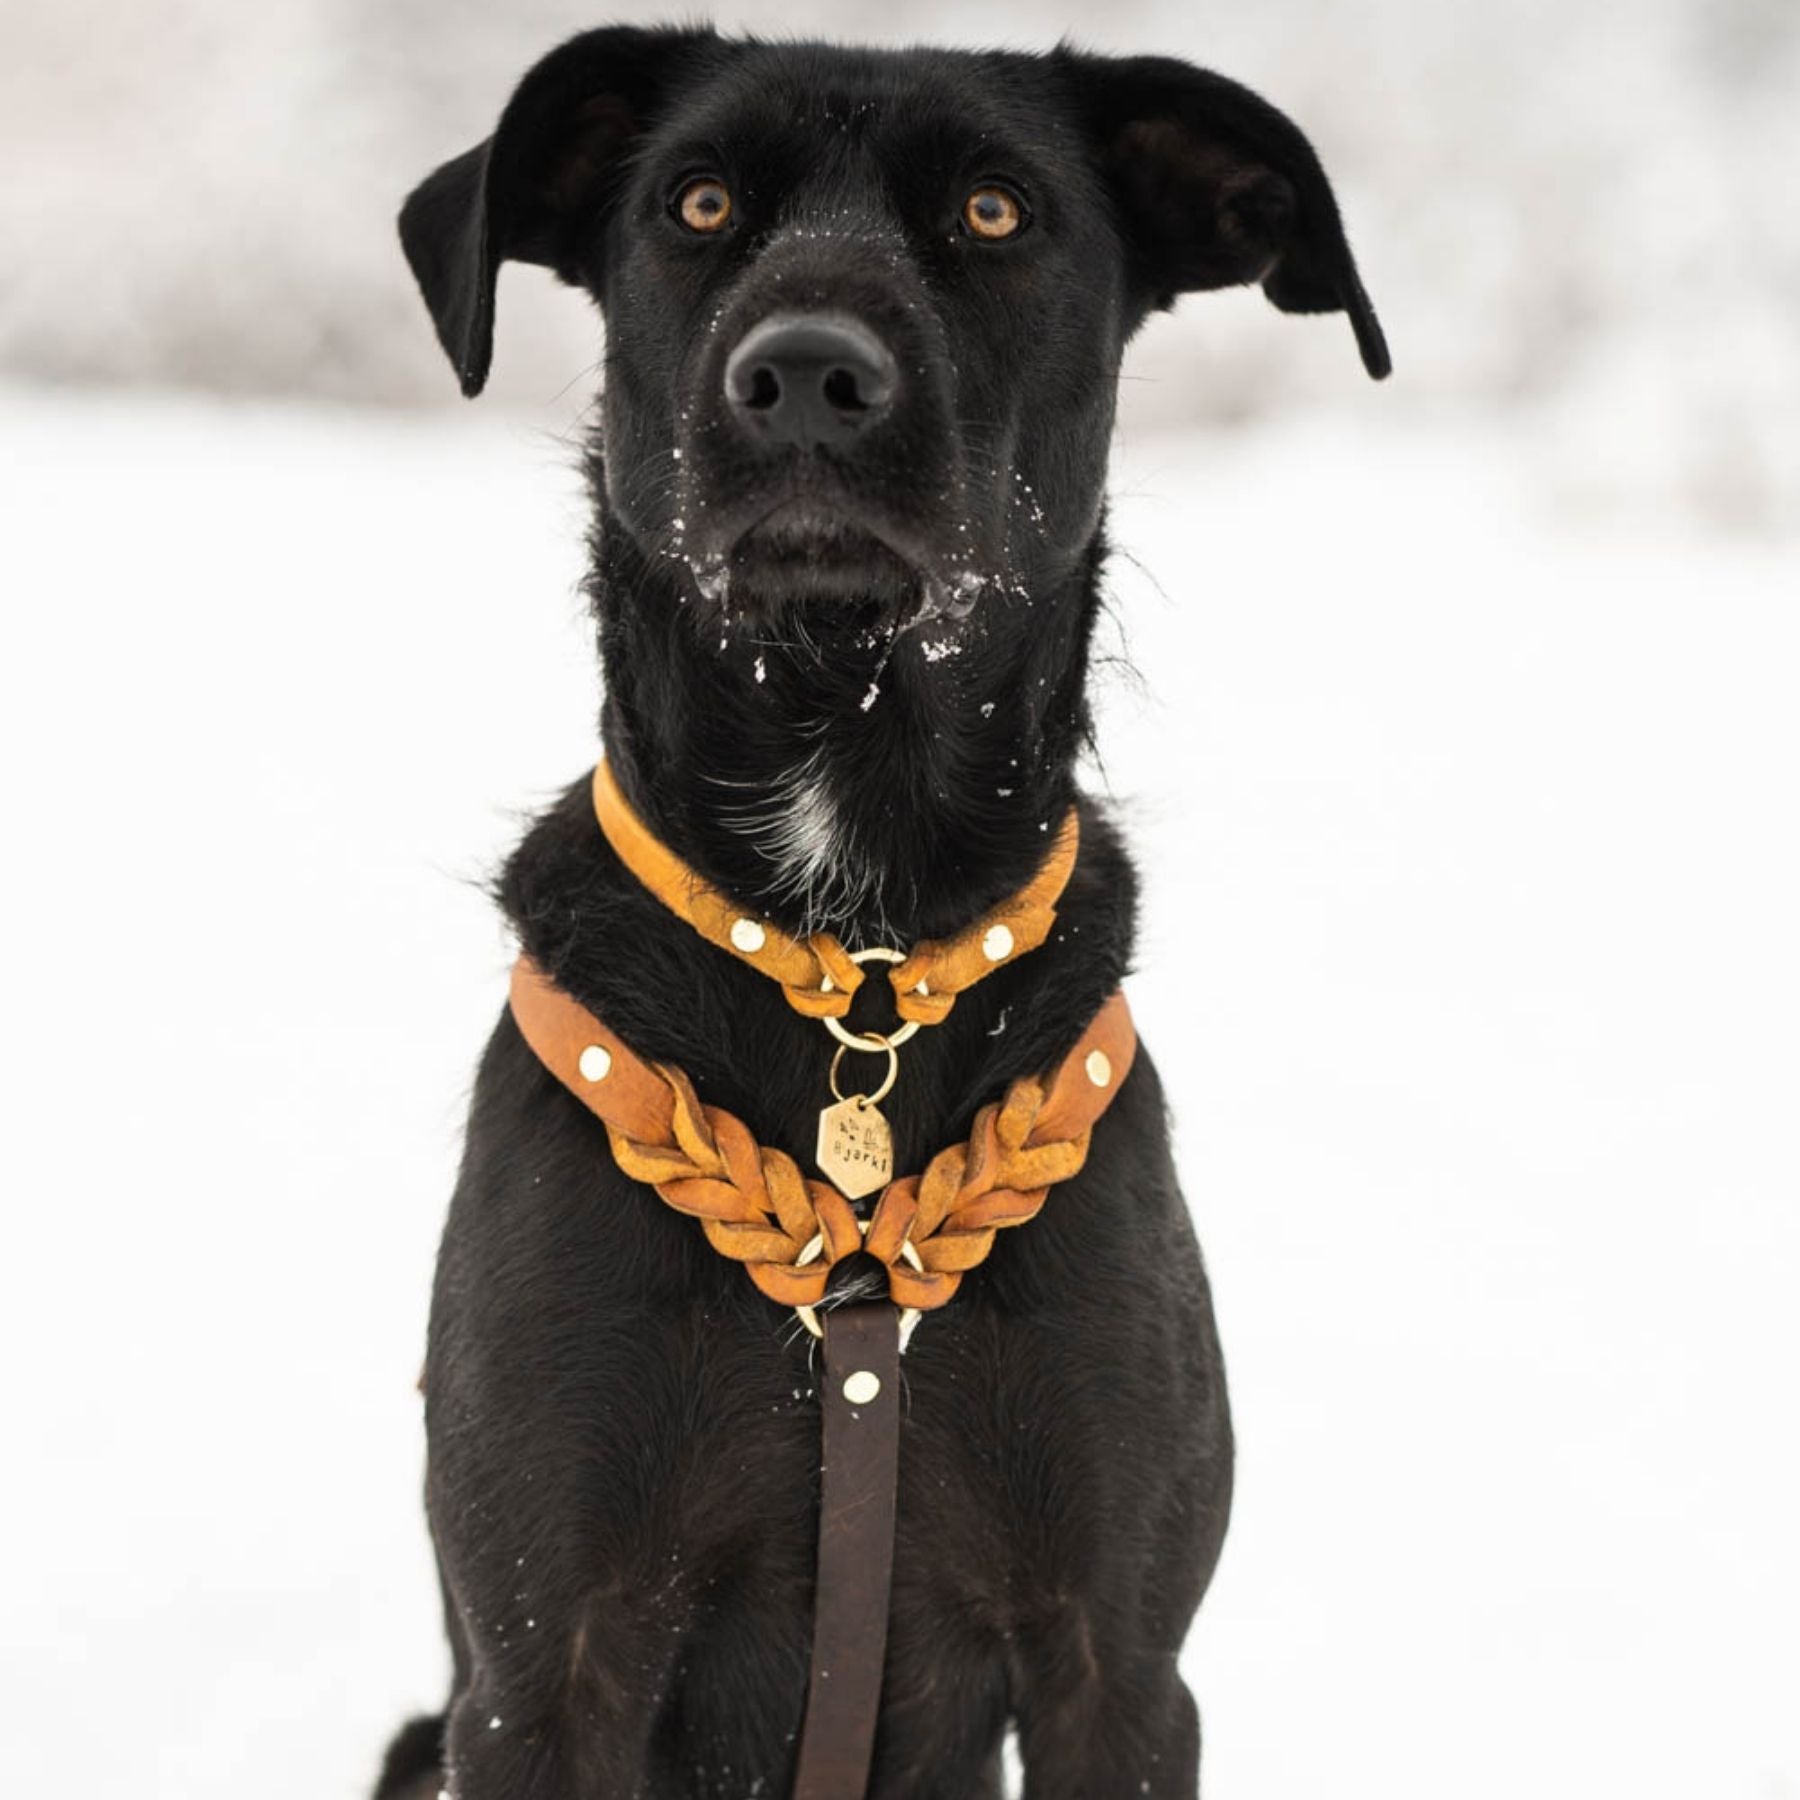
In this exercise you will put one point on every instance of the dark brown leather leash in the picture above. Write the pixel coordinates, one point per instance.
(859, 1480)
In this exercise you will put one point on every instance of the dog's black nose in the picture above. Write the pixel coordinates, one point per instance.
(810, 379)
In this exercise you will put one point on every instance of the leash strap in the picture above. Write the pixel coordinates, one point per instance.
(861, 1468)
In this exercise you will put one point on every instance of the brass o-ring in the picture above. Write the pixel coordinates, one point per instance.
(875, 1040)
(815, 1248)
(893, 1070)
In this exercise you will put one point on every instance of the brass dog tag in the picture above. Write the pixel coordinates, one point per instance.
(856, 1149)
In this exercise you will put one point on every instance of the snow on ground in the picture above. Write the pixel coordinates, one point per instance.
(1470, 961)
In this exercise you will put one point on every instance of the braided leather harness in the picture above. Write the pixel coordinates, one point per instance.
(790, 1230)
(757, 1208)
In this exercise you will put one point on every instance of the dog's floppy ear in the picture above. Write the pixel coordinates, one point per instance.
(1218, 189)
(529, 189)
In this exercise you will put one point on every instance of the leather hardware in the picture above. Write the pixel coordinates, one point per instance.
(909, 1315)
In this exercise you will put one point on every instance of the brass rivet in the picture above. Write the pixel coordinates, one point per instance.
(595, 1063)
(998, 943)
(747, 936)
(862, 1387)
(1099, 1067)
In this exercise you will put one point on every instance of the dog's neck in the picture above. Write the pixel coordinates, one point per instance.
(888, 785)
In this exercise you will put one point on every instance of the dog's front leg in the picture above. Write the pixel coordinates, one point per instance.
(488, 1757)
(583, 1730)
(1094, 1727)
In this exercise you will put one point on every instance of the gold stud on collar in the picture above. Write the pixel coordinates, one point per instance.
(595, 1063)
(862, 1387)
(997, 943)
(1099, 1067)
(747, 936)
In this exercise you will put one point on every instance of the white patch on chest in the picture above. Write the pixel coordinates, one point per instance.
(803, 833)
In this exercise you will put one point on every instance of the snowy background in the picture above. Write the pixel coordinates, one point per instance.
(1468, 813)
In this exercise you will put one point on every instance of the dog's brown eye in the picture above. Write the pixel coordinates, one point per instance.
(993, 213)
(704, 205)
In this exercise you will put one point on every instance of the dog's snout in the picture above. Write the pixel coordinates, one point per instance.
(810, 379)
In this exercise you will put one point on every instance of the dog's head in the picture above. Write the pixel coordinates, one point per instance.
(865, 309)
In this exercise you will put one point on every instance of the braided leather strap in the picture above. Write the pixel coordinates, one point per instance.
(1000, 1177)
(752, 1202)
(758, 1209)
(818, 977)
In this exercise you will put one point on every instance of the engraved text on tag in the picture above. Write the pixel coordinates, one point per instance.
(856, 1149)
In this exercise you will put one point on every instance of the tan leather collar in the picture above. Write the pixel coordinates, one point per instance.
(817, 973)
(788, 1231)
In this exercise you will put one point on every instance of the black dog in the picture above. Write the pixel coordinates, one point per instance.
(864, 316)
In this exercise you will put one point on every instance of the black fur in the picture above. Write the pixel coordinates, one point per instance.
(623, 1433)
